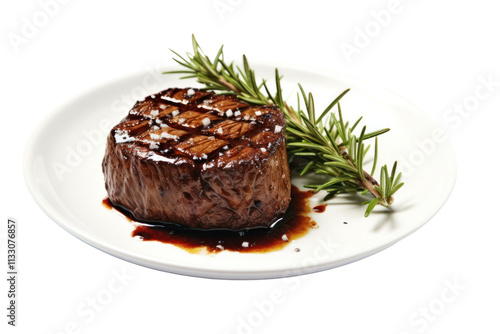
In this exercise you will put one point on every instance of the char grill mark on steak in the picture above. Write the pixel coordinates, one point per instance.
(200, 146)
(194, 119)
(184, 96)
(222, 103)
(160, 136)
(229, 129)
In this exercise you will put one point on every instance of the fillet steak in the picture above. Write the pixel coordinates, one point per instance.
(200, 160)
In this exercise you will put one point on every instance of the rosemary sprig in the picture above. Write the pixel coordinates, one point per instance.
(325, 144)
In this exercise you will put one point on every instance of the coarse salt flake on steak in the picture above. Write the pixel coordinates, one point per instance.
(200, 160)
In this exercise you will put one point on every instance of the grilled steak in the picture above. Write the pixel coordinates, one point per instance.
(200, 160)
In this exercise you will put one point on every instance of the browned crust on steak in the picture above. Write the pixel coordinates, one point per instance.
(201, 160)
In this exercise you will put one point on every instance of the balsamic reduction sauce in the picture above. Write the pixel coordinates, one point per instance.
(319, 208)
(107, 203)
(295, 224)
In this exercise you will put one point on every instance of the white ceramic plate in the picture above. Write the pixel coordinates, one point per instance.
(62, 167)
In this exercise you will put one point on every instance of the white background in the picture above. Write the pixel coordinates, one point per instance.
(433, 53)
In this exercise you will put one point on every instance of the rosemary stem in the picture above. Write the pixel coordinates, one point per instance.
(368, 182)
(291, 113)
(229, 85)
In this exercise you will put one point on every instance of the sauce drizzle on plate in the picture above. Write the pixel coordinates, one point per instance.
(293, 225)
